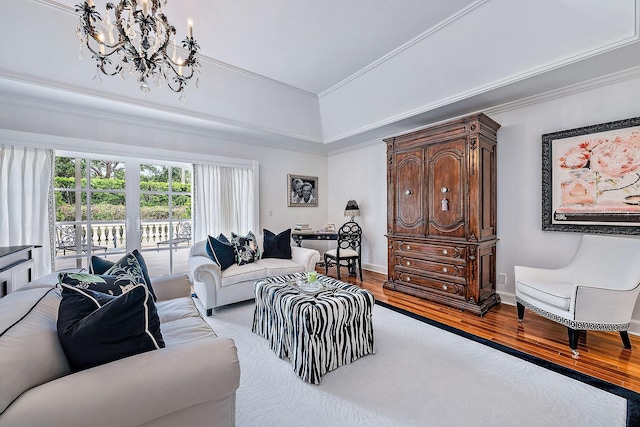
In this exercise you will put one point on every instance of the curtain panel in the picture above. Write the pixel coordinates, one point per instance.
(224, 201)
(26, 202)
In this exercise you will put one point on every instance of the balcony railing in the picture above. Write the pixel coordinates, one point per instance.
(113, 235)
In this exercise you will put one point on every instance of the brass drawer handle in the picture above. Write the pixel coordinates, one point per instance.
(408, 279)
(444, 287)
(408, 263)
(445, 252)
(445, 269)
(408, 247)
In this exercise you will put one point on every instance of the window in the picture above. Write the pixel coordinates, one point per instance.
(106, 208)
(165, 210)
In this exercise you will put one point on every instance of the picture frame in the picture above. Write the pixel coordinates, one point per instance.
(302, 191)
(591, 179)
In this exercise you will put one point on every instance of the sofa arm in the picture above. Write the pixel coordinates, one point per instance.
(171, 286)
(305, 256)
(133, 390)
(203, 269)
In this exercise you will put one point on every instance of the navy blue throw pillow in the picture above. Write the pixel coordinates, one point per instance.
(221, 251)
(277, 246)
(96, 328)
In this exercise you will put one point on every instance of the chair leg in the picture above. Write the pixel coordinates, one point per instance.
(360, 268)
(338, 267)
(573, 341)
(520, 311)
(326, 266)
(625, 339)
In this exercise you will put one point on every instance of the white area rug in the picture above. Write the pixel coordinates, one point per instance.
(420, 376)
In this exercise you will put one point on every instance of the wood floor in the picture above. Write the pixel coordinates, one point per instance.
(601, 353)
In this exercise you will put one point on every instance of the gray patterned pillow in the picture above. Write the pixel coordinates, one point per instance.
(246, 248)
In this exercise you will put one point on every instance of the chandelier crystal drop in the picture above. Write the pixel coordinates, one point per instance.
(133, 39)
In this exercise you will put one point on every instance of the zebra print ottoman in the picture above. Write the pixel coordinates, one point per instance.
(317, 332)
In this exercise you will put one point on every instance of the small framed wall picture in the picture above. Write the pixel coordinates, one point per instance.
(302, 190)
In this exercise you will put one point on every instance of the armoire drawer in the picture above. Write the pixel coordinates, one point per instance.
(448, 270)
(422, 250)
(418, 281)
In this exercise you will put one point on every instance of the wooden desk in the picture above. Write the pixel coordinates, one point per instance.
(16, 267)
(299, 236)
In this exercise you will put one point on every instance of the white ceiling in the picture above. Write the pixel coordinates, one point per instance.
(310, 45)
(335, 72)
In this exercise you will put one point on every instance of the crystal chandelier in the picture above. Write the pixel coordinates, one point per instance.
(133, 38)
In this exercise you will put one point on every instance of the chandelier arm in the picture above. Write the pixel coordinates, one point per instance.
(146, 55)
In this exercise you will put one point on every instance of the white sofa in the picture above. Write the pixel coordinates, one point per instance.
(192, 381)
(216, 288)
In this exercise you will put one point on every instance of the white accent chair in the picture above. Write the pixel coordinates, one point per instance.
(597, 290)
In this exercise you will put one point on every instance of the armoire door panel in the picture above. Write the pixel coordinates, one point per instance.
(409, 193)
(446, 193)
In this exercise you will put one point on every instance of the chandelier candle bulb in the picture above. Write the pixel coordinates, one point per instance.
(190, 29)
(101, 38)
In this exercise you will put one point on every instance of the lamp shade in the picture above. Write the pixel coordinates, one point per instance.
(352, 209)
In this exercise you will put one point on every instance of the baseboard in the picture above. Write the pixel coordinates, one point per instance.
(382, 269)
(510, 299)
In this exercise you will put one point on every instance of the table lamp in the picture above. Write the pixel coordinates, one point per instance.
(352, 210)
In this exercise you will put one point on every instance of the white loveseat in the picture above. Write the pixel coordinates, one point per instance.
(192, 381)
(216, 288)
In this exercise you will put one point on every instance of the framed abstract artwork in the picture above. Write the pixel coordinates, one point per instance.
(302, 190)
(591, 179)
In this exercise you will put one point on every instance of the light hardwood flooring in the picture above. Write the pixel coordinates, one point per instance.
(601, 353)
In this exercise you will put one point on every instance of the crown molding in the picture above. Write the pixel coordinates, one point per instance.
(516, 78)
(200, 120)
(405, 46)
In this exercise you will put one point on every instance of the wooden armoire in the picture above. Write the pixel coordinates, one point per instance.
(441, 213)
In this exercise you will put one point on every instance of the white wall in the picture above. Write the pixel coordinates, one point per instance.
(361, 173)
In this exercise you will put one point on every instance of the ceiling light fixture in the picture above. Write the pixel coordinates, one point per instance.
(135, 41)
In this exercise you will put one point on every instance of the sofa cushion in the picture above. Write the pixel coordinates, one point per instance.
(242, 273)
(30, 352)
(96, 328)
(106, 284)
(185, 330)
(221, 251)
(176, 308)
(557, 294)
(124, 266)
(246, 247)
(278, 267)
(277, 246)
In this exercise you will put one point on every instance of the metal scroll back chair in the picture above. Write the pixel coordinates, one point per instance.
(348, 252)
(183, 234)
(66, 240)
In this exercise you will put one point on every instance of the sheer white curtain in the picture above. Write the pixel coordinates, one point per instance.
(26, 201)
(224, 201)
